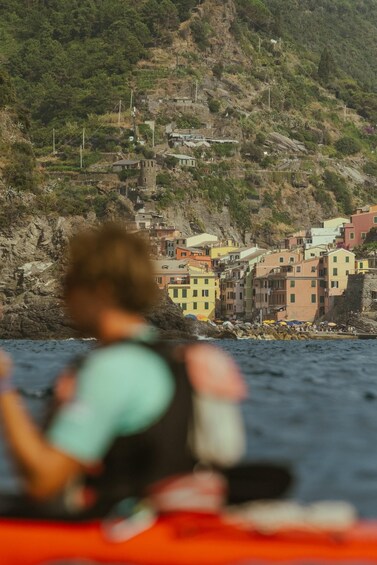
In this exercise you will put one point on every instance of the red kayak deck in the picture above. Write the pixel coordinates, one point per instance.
(182, 539)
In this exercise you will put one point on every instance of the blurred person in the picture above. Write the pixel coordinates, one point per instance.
(123, 416)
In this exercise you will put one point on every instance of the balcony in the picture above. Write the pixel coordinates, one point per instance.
(179, 281)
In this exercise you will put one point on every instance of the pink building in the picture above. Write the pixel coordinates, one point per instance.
(361, 223)
(298, 292)
(262, 270)
(296, 240)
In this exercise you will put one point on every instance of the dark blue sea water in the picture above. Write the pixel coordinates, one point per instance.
(312, 405)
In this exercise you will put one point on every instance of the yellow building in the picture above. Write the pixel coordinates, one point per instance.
(335, 267)
(315, 251)
(335, 222)
(197, 297)
(362, 266)
(221, 251)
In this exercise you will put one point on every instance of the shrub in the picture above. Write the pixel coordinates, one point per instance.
(214, 106)
(218, 70)
(188, 121)
(338, 187)
(348, 145)
(223, 149)
(201, 33)
(370, 168)
(252, 152)
(164, 179)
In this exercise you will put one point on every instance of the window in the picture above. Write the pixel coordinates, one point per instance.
(314, 269)
(184, 306)
(175, 293)
(347, 259)
(184, 292)
(194, 293)
(206, 281)
(375, 220)
(352, 235)
(172, 280)
(298, 269)
(266, 297)
(322, 299)
(335, 259)
(293, 298)
(195, 305)
(241, 296)
(293, 284)
(335, 272)
(206, 306)
(314, 298)
(184, 254)
(205, 293)
(291, 259)
(314, 284)
(281, 259)
(374, 295)
(195, 281)
(159, 280)
(334, 284)
(323, 284)
(347, 273)
(363, 235)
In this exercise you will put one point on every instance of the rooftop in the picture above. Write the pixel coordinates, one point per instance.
(184, 157)
(170, 265)
(127, 162)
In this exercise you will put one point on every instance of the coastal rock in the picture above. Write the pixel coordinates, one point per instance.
(32, 262)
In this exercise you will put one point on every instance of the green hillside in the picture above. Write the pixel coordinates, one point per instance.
(71, 58)
(348, 27)
(292, 83)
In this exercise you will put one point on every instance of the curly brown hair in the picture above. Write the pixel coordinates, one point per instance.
(112, 256)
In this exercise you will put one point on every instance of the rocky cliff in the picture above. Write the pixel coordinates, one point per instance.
(32, 262)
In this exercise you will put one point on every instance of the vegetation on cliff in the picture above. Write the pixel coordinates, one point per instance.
(281, 78)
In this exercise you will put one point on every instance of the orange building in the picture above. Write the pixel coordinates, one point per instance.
(199, 255)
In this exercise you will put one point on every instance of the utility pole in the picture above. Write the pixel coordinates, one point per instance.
(53, 142)
(81, 157)
(120, 113)
(131, 100)
(83, 138)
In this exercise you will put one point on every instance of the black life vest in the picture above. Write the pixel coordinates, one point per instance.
(136, 462)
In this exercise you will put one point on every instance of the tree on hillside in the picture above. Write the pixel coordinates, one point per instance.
(255, 13)
(326, 67)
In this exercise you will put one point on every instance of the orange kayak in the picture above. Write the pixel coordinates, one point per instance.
(182, 539)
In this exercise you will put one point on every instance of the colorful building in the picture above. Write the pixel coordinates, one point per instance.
(260, 278)
(336, 267)
(232, 292)
(193, 253)
(294, 292)
(362, 266)
(362, 222)
(190, 285)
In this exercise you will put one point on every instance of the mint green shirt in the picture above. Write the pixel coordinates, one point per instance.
(121, 390)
